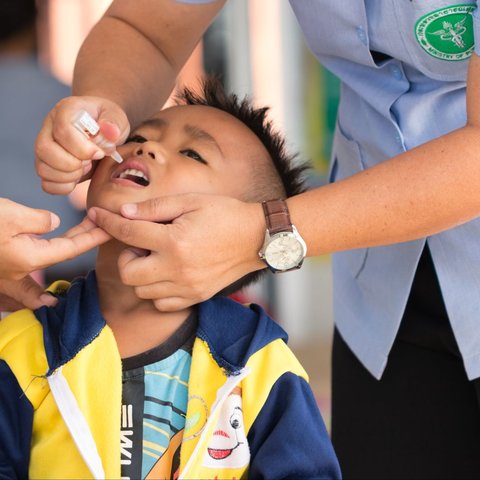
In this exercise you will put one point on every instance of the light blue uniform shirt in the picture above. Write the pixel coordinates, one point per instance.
(385, 109)
(411, 94)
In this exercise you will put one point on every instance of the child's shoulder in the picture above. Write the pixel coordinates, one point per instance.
(22, 344)
(19, 325)
(23, 326)
(245, 334)
(22, 353)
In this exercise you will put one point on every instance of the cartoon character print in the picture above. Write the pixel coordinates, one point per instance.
(228, 447)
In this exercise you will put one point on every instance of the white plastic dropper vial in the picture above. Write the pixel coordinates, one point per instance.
(85, 123)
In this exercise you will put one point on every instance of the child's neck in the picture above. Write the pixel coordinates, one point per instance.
(136, 324)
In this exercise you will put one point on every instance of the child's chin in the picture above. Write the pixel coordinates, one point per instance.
(111, 206)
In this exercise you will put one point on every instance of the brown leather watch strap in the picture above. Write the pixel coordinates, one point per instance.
(277, 216)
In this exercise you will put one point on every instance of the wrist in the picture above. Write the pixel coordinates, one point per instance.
(283, 249)
(257, 234)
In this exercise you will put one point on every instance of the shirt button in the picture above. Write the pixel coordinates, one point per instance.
(396, 72)
(362, 35)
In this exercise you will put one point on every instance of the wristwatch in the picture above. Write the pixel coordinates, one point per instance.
(283, 249)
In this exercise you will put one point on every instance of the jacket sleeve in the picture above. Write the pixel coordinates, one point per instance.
(288, 439)
(16, 420)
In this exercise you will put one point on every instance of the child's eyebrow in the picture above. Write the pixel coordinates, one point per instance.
(192, 131)
(152, 122)
(199, 134)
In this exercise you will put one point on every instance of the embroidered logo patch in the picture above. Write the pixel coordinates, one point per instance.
(447, 33)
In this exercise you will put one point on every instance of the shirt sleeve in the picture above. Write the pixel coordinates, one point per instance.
(288, 438)
(16, 420)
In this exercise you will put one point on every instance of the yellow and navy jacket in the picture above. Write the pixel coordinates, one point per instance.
(61, 387)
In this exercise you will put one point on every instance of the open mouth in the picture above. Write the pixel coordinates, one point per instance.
(135, 176)
(136, 173)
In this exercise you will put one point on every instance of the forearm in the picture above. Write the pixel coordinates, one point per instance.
(118, 63)
(134, 53)
(421, 192)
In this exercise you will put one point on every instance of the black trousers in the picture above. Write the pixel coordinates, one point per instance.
(422, 419)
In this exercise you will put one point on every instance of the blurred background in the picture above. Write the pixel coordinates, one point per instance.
(257, 48)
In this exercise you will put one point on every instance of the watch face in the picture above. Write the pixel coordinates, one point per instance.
(284, 251)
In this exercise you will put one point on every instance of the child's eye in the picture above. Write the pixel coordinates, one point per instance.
(136, 138)
(188, 152)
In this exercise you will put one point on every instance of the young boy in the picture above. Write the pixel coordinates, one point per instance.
(103, 385)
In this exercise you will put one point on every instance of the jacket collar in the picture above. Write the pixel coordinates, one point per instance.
(232, 331)
(73, 323)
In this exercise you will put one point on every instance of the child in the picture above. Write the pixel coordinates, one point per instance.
(103, 385)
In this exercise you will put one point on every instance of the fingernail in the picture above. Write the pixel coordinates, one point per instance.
(92, 214)
(98, 155)
(54, 221)
(48, 299)
(129, 209)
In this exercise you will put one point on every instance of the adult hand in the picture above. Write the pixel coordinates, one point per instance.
(208, 243)
(22, 251)
(63, 154)
(26, 292)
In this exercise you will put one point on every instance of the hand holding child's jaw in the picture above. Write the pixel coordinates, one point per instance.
(26, 292)
(189, 192)
(194, 255)
(22, 250)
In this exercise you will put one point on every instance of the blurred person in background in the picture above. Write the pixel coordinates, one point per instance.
(400, 212)
(27, 92)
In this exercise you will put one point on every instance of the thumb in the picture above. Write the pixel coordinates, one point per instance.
(161, 209)
(114, 125)
(26, 292)
(28, 220)
(40, 221)
(110, 131)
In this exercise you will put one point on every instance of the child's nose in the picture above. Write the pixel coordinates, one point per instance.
(144, 150)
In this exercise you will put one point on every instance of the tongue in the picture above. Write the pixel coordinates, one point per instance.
(138, 180)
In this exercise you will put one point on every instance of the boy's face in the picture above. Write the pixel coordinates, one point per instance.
(180, 150)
